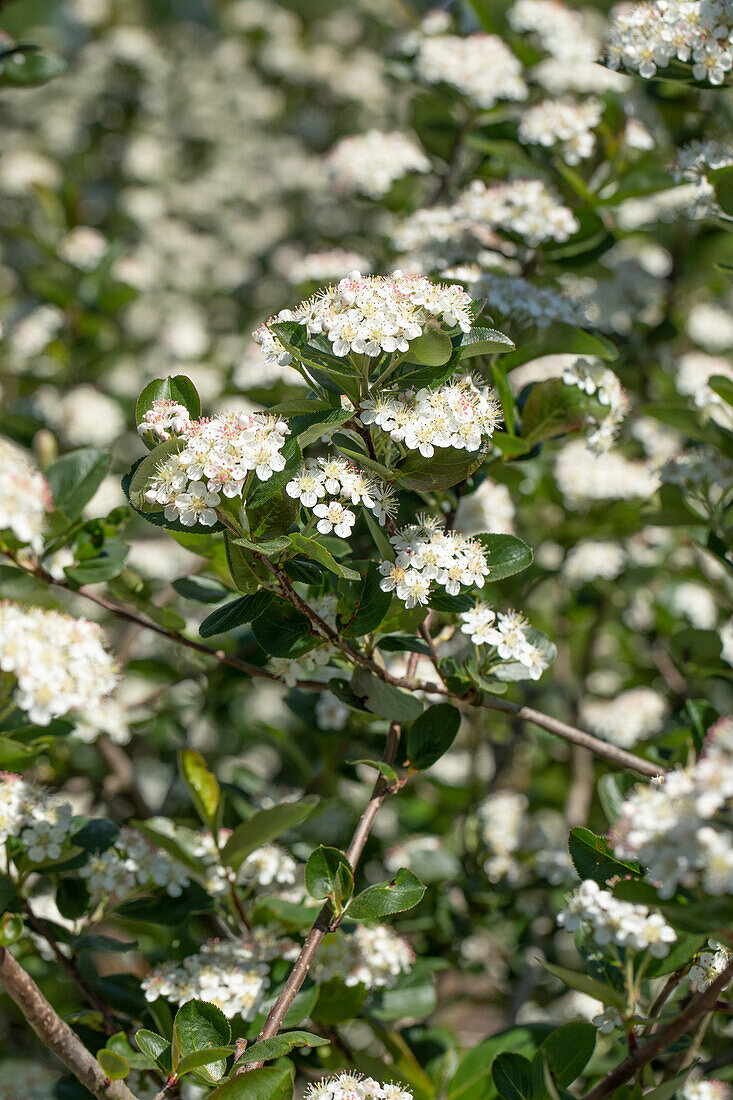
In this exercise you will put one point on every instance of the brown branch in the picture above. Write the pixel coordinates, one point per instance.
(326, 921)
(69, 965)
(691, 1015)
(576, 736)
(56, 1035)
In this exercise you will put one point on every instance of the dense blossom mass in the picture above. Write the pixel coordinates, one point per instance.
(460, 414)
(610, 920)
(648, 37)
(480, 66)
(512, 636)
(371, 314)
(354, 1086)
(372, 955)
(563, 122)
(327, 485)
(24, 496)
(370, 163)
(426, 554)
(216, 457)
(58, 664)
(678, 827)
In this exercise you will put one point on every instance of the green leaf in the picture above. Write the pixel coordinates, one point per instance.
(575, 979)
(484, 341)
(104, 567)
(263, 827)
(198, 1058)
(337, 1002)
(668, 1088)
(553, 409)
(722, 181)
(154, 1047)
(568, 1050)
(312, 548)
(328, 874)
(269, 548)
(512, 1075)
(472, 1080)
(198, 1027)
(592, 857)
(201, 589)
(266, 1083)
(158, 907)
(447, 467)
(75, 477)
(403, 643)
(11, 929)
(432, 734)
(384, 899)
(363, 604)
(384, 699)
(243, 610)
(722, 386)
(114, 1065)
(281, 1045)
(505, 555)
(203, 786)
(28, 66)
(384, 769)
(312, 426)
(177, 388)
(283, 631)
(433, 348)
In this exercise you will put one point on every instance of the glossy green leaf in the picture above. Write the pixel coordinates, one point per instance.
(512, 1075)
(202, 784)
(484, 341)
(384, 699)
(264, 826)
(312, 548)
(235, 614)
(266, 1083)
(446, 467)
(200, 1028)
(432, 734)
(281, 1045)
(328, 874)
(403, 892)
(75, 477)
(114, 1065)
(505, 555)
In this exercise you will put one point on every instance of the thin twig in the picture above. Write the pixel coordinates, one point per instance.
(561, 729)
(56, 1035)
(69, 965)
(691, 1015)
(326, 921)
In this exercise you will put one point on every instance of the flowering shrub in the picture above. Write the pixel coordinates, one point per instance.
(366, 615)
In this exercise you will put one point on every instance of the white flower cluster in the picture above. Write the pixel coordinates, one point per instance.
(345, 484)
(480, 66)
(132, 864)
(59, 663)
(371, 314)
(41, 822)
(502, 817)
(525, 302)
(372, 955)
(331, 713)
(678, 826)
(648, 36)
(593, 559)
(233, 975)
(559, 29)
(83, 247)
(524, 207)
(459, 414)
(632, 716)
(512, 635)
(24, 496)
(426, 554)
(266, 866)
(704, 475)
(328, 263)
(709, 965)
(706, 1088)
(612, 921)
(489, 509)
(566, 122)
(217, 456)
(693, 163)
(82, 416)
(352, 1086)
(595, 379)
(509, 832)
(584, 477)
(697, 603)
(370, 163)
(164, 419)
(694, 371)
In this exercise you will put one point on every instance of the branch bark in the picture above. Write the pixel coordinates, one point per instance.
(325, 921)
(56, 1035)
(575, 736)
(661, 1041)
